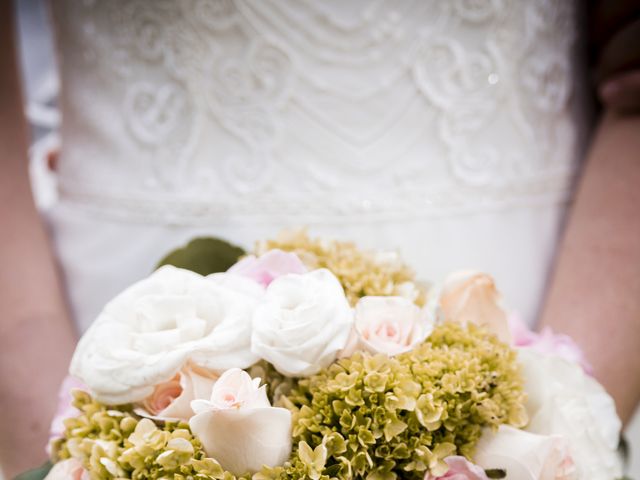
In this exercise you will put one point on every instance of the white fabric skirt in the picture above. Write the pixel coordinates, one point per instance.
(101, 255)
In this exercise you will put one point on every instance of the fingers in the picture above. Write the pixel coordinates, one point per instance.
(621, 93)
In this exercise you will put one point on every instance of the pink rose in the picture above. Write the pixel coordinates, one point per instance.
(460, 469)
(163, 395)
(547, 343)
(65, 408)
(172, 400)
(70, 469)
(388, 325)
(269, 266)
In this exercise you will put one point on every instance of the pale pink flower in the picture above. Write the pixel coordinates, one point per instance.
(269, 266)
(65, 408)
(163, 395)
(234, 389)
(387, 325)
(70, 469)
(460, 469)
(547, 343)
(172, 400)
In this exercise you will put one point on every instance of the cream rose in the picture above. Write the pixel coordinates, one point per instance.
(239, 428)
(147, 333)
(303, 323)
(472, 297)
(524, 455)
(563, 400)
(388, 325)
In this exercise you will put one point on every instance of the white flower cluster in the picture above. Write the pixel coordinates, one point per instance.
(299, 322)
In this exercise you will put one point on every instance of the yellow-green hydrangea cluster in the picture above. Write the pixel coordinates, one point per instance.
(360, 272)
(114, 443)
(278, 385)
(384, 418)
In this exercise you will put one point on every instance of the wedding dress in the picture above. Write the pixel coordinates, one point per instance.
(448, 130)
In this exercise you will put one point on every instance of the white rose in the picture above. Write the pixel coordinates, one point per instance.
(472, 297)
(388, 325)
(303, 323)
(524, 455)
(147, 333)
(238, 426)
(563, 400)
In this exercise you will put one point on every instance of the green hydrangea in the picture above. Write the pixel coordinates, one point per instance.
(278, 385)
(377, 417)
(365, 417)
(114, 443)
(361, 272)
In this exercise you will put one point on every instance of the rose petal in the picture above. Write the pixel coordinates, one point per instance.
(547, 343)
(70, 469)
(269, 266)
(524, 455)
(563, 400)
(195, 383)
(244, 441)
(303, 323)
(390, 325)
(150, 331)
(472, 297)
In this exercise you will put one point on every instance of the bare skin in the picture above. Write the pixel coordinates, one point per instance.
(36, 336)
(595, 294)
(595, 291)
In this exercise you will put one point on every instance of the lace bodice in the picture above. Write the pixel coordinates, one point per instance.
(182, 111)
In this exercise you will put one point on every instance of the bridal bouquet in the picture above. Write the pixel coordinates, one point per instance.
(313, 359)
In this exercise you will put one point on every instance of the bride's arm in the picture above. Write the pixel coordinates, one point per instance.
(595, 290)
(36, 336)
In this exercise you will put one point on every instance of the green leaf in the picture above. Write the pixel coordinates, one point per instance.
(204, 255)
(496, 473)
(36, 474)
(333, 470)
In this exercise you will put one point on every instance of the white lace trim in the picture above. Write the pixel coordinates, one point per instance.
(352, 209)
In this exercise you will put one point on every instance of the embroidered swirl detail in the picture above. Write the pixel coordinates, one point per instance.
(460, 105)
